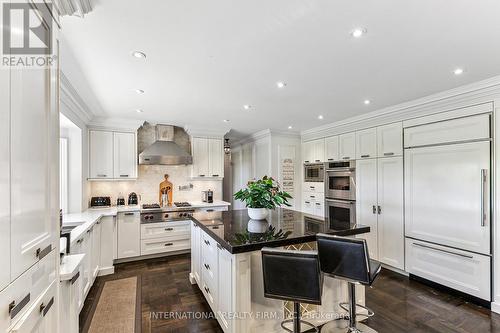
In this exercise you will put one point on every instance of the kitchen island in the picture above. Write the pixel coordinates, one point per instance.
(226, 265)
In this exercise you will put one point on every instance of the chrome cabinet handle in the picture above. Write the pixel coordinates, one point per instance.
(374, 209)
(215, 175)
(207, 266)
(15, 308)
(346, 158)
(483, 210)
(440, 250)
(318, 204)
(40, 254)
(365, 156)
(388, 154)
(202, 175)
(306, 161)
(330, 159)
(207, 242)
(123, 175)
(169, 244)
(379, 210)
(128, 214)
(45, 308)
(318, 161)
(169, 229)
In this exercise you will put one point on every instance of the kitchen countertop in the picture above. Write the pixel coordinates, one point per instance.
(85, 220)
(282, 227)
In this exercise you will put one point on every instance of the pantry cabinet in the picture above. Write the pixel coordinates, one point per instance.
(208, 157)
(366, 202)
(112, 155)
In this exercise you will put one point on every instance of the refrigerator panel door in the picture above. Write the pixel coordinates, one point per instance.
(447, 196)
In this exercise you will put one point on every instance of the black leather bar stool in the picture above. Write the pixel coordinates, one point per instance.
(347, 259)
(292, 276)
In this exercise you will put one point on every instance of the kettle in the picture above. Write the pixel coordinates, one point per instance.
(132, 199)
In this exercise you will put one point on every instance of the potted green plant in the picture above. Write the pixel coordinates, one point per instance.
(261, 195)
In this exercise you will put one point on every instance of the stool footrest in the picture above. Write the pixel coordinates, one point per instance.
(370, 313)
(301, 321)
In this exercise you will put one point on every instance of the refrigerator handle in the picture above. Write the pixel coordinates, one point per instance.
(483, 181)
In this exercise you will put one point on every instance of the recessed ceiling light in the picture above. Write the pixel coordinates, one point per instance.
(320, 117)
(139, 54)
(226, 120)
(139, 91)
(139, 111)
(458, 71)
(358, 32)
(290, 127)
(246, 107)
(367, 101)
(281, 84)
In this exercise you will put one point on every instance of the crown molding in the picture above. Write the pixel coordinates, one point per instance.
(265, 134)
(75, 107)
(115, 124)
(216, 133)
(474, 93)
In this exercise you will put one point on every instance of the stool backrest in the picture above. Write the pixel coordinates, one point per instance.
(345, 258)
(292, 275)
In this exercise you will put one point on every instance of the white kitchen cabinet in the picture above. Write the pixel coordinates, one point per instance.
(129, 234)
(347, 146)
(366, 143)
(100, 154)
(446, 191)
(390, 212)
(390, 140)
(465, 271)
(124, 155)
(68, 306)
(33, 233)
(319, 150)
(332, 149)
(319, 208)
(225, 296)
(86, 247)
(195, 253)
(308, 152)
(366, 202)
(108, 244)
(216, 157)
(308, 206)
(5, 177)
(209, 270)
(79, 284)
(96, 249)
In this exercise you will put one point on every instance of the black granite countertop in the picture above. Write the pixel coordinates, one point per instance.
(282, 227)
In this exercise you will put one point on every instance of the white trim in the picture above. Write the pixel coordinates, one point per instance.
(115, 124)
(394, 269)
(475, 93)
(495, 307)
(75, 107)
(262, 134)
(203, 132)
(106, 271)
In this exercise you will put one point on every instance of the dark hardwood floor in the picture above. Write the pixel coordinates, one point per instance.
(400, 304)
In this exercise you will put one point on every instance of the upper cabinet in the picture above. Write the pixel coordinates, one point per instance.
(332, 149)
(366, 143)
(314, 151)
(390, 140)
(347, 146)
(112, 155)
(208, 157)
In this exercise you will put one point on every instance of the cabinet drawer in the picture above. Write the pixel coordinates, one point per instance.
(161, 245)
(24, 291)
(316, 187)
(313, 196)
(165, 229)
(456, 130)
(210, 295)
(41, 315)
(464, 271)
(212, 209)
(217, 229)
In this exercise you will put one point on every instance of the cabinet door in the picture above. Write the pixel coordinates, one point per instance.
(96, 248)
(307, 207)
(347, 146)
(32, 230)
(366, 202)
(318, 150)
(390, 140)
(225, 288)
(216, 158)
(87, 266)
(4, 177)
(129, 230)
(319, 208)
(100, 154)
(195, 252)
(79, 283)
(332, 149)
(447, 195)
(125, 157)
(200, 157)
(308, 152)
(366, 143)
(108, 242)
(390, 218)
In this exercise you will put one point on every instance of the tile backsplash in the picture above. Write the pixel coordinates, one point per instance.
(147, 185)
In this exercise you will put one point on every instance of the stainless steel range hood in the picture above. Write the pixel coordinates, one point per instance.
(164, 151)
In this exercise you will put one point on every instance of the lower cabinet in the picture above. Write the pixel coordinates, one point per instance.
(108, 244)
(212, 270)
(165, 237)
(313, 203)
(129, 240)
(96, 249)
(68, 307)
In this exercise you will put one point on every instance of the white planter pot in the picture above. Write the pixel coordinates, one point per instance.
(257, 213)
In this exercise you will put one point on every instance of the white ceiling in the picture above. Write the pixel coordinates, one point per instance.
(206, 59)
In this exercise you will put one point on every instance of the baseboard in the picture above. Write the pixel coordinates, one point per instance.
(192, 278)
(151, 256)
(495, 307)
(395, 270)
(106, 271)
